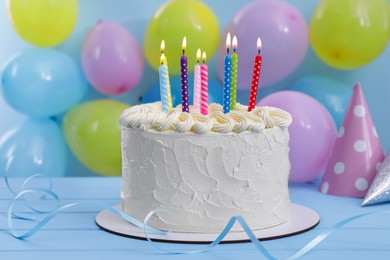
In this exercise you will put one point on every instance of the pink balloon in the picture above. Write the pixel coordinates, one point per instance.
(312, 133)
(284, 35)
(112, 59)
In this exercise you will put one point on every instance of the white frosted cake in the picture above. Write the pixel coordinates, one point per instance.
(205, 169)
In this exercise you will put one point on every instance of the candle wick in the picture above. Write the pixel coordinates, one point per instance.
(204, 61)
(258, 52)
(184, 51)
(234, 50)
(227, 50)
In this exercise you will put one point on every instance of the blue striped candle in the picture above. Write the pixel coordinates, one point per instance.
(163, 73)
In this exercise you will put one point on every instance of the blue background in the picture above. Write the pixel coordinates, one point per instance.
(134, 15)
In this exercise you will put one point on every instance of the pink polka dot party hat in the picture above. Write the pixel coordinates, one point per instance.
(357, 153)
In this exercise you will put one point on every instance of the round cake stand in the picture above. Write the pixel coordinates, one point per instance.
(302, 220)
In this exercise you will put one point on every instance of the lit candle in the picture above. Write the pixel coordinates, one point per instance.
(204, 96)
(163, 84)
(255, 77)
(168, 84)
(197, 80)
(233, 88)
(227, 77)
(184, 78)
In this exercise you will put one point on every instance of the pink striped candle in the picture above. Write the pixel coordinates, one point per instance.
(204, 96)
(197, 81)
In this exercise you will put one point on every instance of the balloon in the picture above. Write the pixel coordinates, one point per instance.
(44, 22)
(312, 133)
(329, 92)
(43, 82)
(34, 146)
(93, 134)
(174, 20)
(112, 59)
(284, 37)
(9, 118)
(350, 33)
(153, 93)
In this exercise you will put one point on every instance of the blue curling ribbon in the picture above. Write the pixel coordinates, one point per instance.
(147, 229)
(51, 214)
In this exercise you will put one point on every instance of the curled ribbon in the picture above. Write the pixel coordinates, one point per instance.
(147, 229)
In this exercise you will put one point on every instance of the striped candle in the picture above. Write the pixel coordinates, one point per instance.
(164, 84)
(197, 80)
(204, 96)
(168, 89)
(227, 77)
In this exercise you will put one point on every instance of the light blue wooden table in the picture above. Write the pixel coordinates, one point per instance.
(74, 234)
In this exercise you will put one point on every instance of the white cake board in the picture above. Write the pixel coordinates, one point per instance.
(302, 220)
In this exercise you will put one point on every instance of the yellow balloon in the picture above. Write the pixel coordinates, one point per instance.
(43, 22)
(348, 34)
(93, 134)
(174, 20)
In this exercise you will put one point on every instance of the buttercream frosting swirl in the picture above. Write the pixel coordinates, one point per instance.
(151, 116)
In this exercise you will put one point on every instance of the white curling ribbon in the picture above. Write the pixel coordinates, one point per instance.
(184, 123)
(202, 124)
(222, 123)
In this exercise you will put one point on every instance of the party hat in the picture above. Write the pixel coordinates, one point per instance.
(379, 190)
(357, 152)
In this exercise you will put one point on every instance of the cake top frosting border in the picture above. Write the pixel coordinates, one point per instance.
(150, 116)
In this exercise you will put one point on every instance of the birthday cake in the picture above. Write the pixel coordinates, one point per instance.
(204, 169)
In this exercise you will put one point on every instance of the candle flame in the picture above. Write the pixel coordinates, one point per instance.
(204, 57)
(198, 55)
(259, 44)
(162, 46)
(228, 41)
(184, 43)
(162, 58)
(235, 43)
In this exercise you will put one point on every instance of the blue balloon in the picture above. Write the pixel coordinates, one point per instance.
(8, 116)
(43, 82)
(35, 146)
(153, 93)
(331, 93)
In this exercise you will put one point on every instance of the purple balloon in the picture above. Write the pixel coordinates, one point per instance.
(284, 35)
(112, 59)
(312, 133)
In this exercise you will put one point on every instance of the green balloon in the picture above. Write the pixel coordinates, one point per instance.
(348, 34)
(93, 134)
(174, 20)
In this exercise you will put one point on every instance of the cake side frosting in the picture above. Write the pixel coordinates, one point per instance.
(150, 116)
(203, 180)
